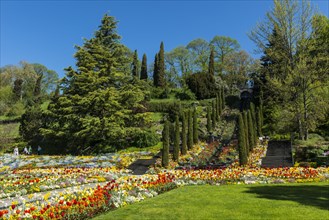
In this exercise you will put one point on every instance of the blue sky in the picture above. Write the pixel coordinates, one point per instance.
(46, 31)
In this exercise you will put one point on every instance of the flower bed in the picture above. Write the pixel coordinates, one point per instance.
(112, 188)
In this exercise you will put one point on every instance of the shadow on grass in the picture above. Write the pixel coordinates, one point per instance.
(316, 196)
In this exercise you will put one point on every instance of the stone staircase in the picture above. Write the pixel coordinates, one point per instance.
(278, 155)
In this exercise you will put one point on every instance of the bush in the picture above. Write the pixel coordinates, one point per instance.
(144, 138)
(184, 94)
(159, 93)
(203, 85)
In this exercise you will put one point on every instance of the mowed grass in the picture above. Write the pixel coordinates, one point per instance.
(290, 201)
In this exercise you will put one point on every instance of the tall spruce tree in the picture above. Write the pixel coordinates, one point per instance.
(144, 75)
(184, 137)
(243, 159)
(220, 102)
(195, 127)
(190, 130)
(100, 104)
(165, 140)
(211, 67)
(177, 139)
(135, 65)
(209, 125)
(217, 107)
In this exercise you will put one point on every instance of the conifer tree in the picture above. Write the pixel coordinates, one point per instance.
(213, 115)
(156, 71)
(184, 137)
(211, 67)
(195, 127)
(144, 75)
(259, 128)
(253, 115)
(190, 130)
(250, 131)
(209, 125)
(135, 65)
(165, 139)
(243, 159)
(177, 139)
(223, 98)
(246, 130)
(106, 101)
(220, 101)
(161, 67)
(217, 107)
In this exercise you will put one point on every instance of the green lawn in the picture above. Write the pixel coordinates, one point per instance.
(292, 201)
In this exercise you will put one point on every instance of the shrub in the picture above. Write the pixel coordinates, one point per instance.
(184, 94)
(202, 85)
(144, 138)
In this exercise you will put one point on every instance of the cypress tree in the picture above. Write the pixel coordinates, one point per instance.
(217, 108)
(209, 125)
(190, 131)
(220, 102)
(144, 68)
(261, 108)
(165, 139)
(243, 159)
(17, 90)
(223, 98)
(195, 127)
(177, 139)
(184, 125)
(213, 115)
(135, 65)
(250, 131)
(259, 126)
(253, 115)
(211, 67)
(161, 67)
(245, 122)
(156, 71)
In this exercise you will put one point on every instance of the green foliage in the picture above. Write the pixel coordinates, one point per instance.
(195, 127)
(135, 65)
(165, 140)
(259, 122)
(177, 139)
(31, 122)
(17, 90)
(143, 138)
(184, 134)
(246, 130)
(209, 124)
(143, 74)
(213, 115)
(241, 139)
(184, 94)
(202, 85)
(251, 136)
(211, 68)
(190, 130)
(101, 104)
